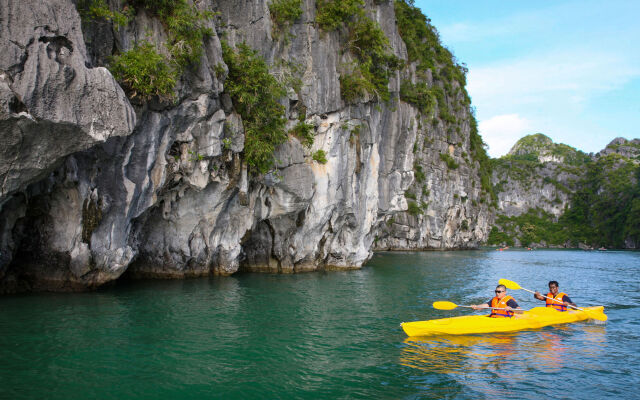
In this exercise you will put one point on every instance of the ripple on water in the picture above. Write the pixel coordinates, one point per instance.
(327, 335)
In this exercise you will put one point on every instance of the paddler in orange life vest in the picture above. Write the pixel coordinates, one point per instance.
(558, 300)
(503, 305)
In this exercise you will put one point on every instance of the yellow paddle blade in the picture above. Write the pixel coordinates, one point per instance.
(444, 305)
(509, 284)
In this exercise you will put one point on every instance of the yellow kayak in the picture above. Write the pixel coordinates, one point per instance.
(535, 318)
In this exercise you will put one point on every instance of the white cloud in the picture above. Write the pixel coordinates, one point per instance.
(543, 80)
(469, 32)
(502, 132)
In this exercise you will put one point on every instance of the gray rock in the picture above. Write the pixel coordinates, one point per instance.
(91, 191)
(53, 105)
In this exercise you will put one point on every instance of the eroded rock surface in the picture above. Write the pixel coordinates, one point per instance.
(92, 189)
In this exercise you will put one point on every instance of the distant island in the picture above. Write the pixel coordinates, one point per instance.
(552, 195)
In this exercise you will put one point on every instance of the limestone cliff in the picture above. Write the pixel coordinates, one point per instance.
(100, 177)
(537, 173)
(552, 195)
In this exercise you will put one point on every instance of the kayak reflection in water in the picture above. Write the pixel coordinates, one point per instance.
(555, 299)
(502, 305)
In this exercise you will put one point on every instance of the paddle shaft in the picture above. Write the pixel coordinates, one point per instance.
(488, 308)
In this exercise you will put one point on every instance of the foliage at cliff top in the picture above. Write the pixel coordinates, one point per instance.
(424, 45)
(255, 93)
(533, 154)
(622, 146)
(541, 148)
(367, 42)
(142, 77)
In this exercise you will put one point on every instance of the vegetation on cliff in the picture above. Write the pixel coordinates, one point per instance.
(527, 158)
(447, 92)
(603, 211)
(534, 226)
(255, 94)
(148, 70)
(539, 147)
(285, 12)
(374, 62)
(424, 46)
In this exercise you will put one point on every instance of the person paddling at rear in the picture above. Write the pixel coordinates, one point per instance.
(502, 306)
(555, 299)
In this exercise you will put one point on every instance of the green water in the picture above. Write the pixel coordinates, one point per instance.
(327, 335)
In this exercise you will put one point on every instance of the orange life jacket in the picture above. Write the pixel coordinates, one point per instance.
(501, 304)
(557, 302)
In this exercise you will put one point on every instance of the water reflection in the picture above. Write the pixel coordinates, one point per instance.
(456, 354)
(506, 358)
(547, 350)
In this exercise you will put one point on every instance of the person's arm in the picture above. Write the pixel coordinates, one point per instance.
(513, 306)
(539, 296)
(481, 306)
(567, 302)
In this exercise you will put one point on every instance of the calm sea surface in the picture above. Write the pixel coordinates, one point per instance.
(328, 335)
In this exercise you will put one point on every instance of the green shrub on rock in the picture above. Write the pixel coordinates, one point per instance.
(355, 85)
(143, 70)
(255, 94)
(91, 10)
(320, 156)
(331, 14)
(144, 73)
(451, 163)
(419, 95)
(304, 132)
(285, 12)
(413, 208)
(367, 42)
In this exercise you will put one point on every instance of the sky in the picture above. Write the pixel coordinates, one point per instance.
(568, 69)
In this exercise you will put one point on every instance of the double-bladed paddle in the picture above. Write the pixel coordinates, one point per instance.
(447, 305)
(514, 286)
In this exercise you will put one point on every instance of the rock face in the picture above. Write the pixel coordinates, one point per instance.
(52, 106)
(537, 173)
(552, 195)
(92, 189)
(629, 149)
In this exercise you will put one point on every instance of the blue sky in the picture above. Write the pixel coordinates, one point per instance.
(568, 69)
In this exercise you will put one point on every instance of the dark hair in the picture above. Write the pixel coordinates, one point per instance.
(502, 286)
(554, 283)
